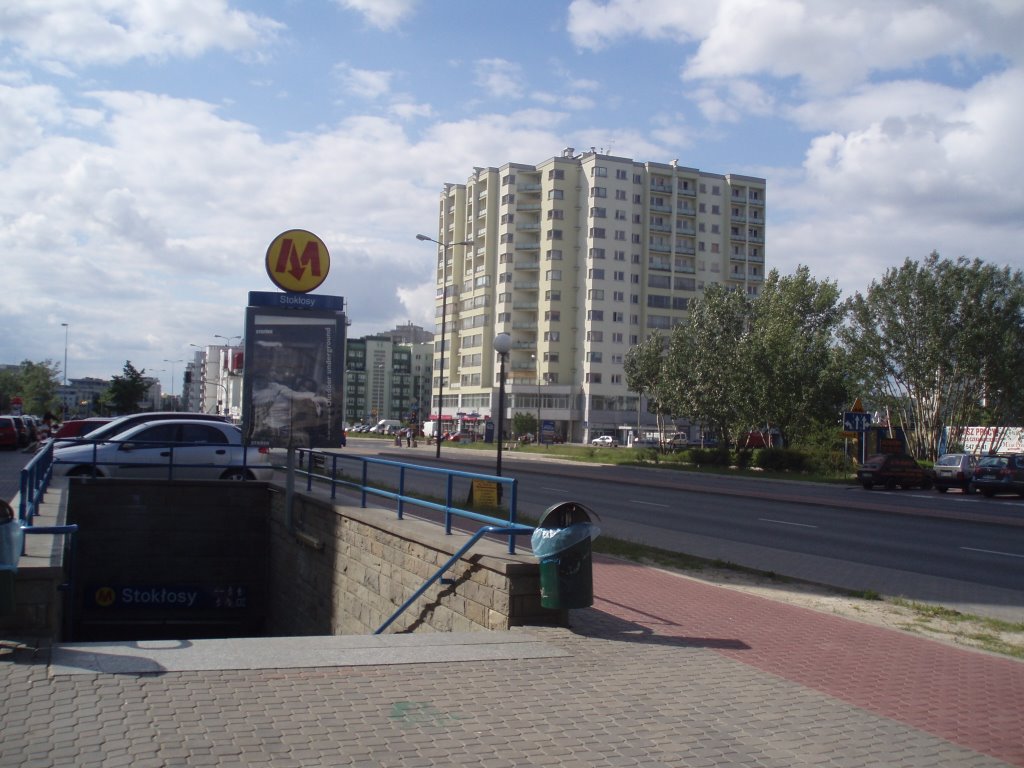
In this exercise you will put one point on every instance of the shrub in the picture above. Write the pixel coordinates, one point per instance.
(780, 459)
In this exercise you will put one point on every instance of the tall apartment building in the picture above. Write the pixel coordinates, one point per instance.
(579, 258)
(385, 379)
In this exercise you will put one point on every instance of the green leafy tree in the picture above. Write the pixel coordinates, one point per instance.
(936, 341)
(128, 390)
(35, 383)
(643, 366)
(704, 369)
(796, 373)
(524, 423)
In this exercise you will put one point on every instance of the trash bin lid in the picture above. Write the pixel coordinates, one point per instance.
(564, 514)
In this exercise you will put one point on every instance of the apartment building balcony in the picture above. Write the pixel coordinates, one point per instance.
(526, 285)
(660, 228)
(739, 218)
(688, 192)
(526, 206)
(686, 269)
(755, 238)
(524, 305)
(524, 344)
(660, 247)
(685, 210)
(738, 236)
(661, 265)
(528, 187)
(686, 231)
(527, 246)
(530, 266)
(755, 201)
(663, 208)
(524, 325)
(660, 187)
(528, 226)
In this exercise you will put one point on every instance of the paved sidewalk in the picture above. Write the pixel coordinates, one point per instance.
(662, 671)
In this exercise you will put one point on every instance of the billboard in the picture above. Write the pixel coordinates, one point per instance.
(294, 377)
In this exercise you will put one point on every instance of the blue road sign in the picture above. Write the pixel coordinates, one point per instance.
(856, 422)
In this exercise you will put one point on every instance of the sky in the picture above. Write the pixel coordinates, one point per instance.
(151, 150)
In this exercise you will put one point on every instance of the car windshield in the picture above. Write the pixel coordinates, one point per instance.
(951, 460)
(993, 461)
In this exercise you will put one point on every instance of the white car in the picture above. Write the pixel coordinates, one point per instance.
(604, 440)
(170, 449)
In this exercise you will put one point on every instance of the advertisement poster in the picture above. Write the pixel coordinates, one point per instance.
(294, 377)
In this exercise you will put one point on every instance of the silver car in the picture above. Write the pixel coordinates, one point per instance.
(954, 470)
(170, 449)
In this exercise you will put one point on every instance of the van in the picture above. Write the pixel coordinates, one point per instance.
(384, 426)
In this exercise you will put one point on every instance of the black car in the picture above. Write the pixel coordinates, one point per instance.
(999, 474)
(893, 470)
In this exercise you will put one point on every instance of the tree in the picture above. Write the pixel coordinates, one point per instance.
(128, 390)
(643, 368)
(35, 383)
(935, 341)
(704, 368)
(524, 423)
(796, 373)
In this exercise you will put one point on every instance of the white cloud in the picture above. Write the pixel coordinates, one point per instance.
(365, 83)
(594, 24)
(385, 14)
(116, 31)
(501, 79)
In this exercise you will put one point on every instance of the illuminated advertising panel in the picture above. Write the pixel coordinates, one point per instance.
(294, 377)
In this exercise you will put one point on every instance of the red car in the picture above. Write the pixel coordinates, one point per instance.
(79, 427)
(9, 437)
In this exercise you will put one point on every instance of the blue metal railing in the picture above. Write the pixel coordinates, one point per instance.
(404, 470)
(94, 461)
(492, 525)
(35, 477)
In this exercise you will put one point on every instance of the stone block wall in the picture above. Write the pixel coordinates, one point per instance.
(345, 570)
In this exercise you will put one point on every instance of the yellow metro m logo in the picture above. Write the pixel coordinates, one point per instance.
(297, 261)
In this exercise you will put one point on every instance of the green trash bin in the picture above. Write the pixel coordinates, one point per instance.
(562, 541)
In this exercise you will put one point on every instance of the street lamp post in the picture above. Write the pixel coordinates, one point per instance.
(502, 345)
(65, 353)
(172, 362)
(444, 320)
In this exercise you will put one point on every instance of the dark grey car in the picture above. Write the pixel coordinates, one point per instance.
(954, 470)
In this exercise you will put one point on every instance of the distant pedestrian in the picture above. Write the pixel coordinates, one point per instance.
(408, 437)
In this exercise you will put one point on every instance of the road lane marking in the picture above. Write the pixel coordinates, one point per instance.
(992, 552)
(785, 522)
(648, 503)
(556, 490)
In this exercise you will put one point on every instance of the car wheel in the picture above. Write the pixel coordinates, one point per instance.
(868, 486)
(237, 473)
(988, 493)
(926, 484)
(890, 484)
(941, 488)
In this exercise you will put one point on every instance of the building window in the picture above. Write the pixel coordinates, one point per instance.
(595, 274)
(553, 254)
(556, 194)
(596, 294)
(599, 213)
(552, 335)
(595, 336)
(553, 295)
(621, 174)
(553, 274)
(552, 316)
(620, 194)
(599, 192)
(595, 315)
(556, 214)
(556, 174)
(597, 233)
(507, 218)
(550, 357)
(595, 357)
(510, 179)
(593, 378)
(618, 296)
(554, 234)
(599, 171)
(618, 317)
(596, 253)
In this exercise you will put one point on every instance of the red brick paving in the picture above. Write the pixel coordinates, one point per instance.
(967, 697)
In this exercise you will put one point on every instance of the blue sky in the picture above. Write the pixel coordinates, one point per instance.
(151, 150)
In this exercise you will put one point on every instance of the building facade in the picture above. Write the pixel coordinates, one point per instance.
(385, 379)
(579, 258)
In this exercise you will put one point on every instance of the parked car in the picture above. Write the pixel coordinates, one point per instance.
(23, 433)
(678, 442)
(199, 450)
(80, 427)
(606, 441)
(122, 423)
(999, 474)
(954, 470)
(892, 470)
(9, 433)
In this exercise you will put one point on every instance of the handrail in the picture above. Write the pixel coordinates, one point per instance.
(34, 478)
(511, 531)
(448, 507)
